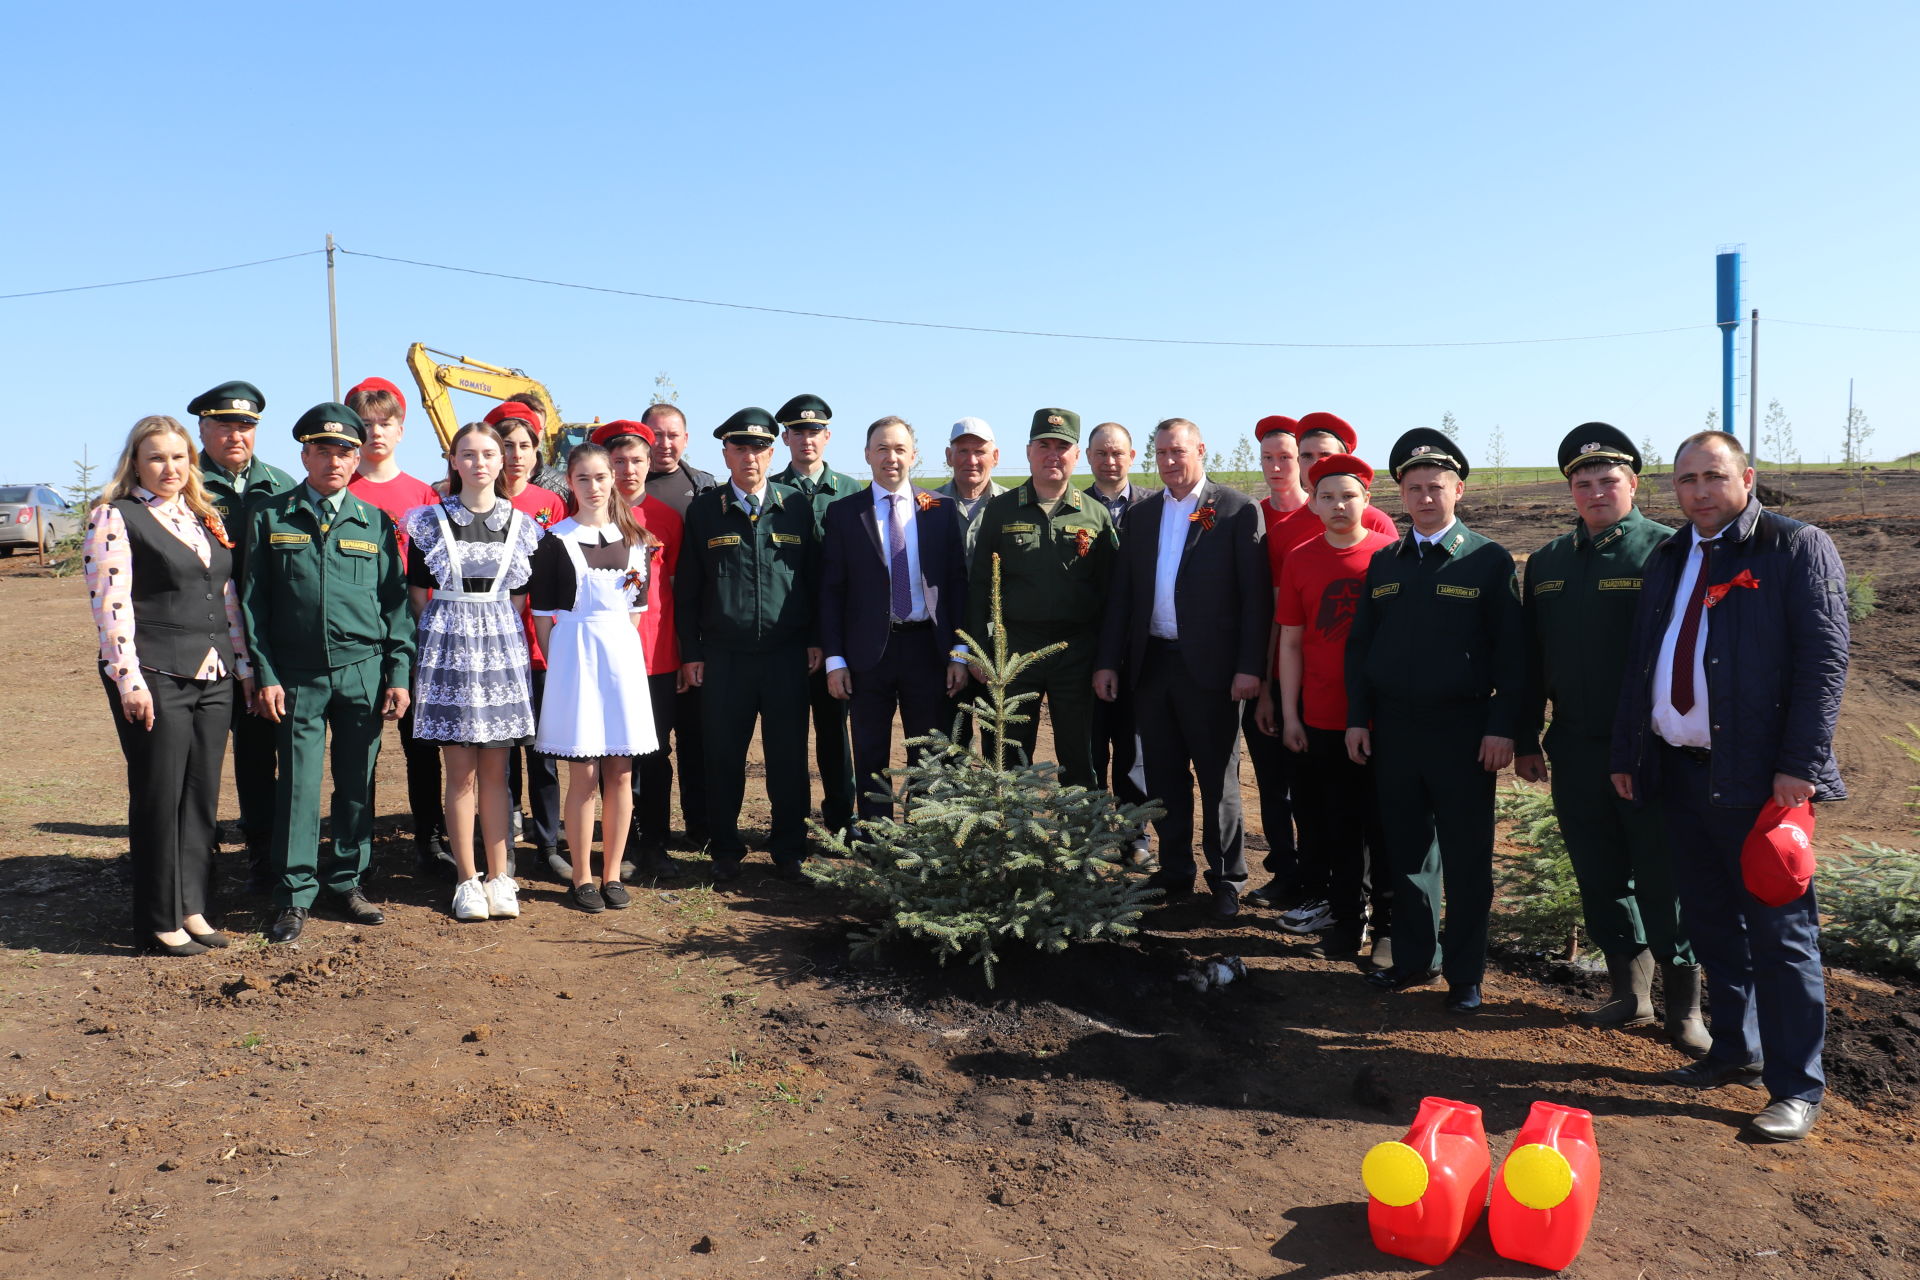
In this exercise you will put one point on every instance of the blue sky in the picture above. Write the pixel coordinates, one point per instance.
(1389, 173)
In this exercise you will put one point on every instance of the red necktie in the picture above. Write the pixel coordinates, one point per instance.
(1683, 649)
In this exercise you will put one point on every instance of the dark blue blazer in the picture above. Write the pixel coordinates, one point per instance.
(856, 590)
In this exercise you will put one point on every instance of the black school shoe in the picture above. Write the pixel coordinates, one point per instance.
(615, 895)
(588, 899)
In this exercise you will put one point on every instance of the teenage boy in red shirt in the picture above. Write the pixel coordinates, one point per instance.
(381, 483)
(1319, 588)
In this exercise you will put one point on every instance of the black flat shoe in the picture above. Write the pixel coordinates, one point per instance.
(725, 872)
(214, 939)
(288, 924)
(1226, 904)
(1709, 1074)
(154, 947)
(359, 910)
(1464, 999)
(1401, 979)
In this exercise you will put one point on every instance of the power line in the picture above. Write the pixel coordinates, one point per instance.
(1020, 333)
(1815, 324)
(178, 275)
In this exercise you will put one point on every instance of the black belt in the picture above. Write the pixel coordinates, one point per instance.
(1699, 755)
(925, 624)
(1161, 642)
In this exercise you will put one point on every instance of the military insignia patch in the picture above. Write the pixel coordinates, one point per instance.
(1547, 588)
(364, 548)
(1055, 420)
(724, 540)
(289, 539)
(789, 539)
(1386, 589)
(1620, 584)
(1457, 592)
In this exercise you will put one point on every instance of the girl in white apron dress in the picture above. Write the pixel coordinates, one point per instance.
(591, 577)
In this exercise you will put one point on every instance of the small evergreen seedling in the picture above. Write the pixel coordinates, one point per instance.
(991, 852)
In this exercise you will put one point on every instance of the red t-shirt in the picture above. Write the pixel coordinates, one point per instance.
(1320, 588)
(658, 640)
(396, 497)
(546, 509)
(1301, 525)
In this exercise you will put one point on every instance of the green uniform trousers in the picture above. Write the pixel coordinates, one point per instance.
(1066, 680)
(738, 689)
(347, 701)
(1436, 816)
(1619, 856)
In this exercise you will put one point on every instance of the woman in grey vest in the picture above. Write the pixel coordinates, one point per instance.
(159, 568)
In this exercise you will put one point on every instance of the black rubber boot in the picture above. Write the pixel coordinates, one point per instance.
(1632, 1002)
(1686, 1030)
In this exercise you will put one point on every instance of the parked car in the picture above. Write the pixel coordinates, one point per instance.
(34, 511)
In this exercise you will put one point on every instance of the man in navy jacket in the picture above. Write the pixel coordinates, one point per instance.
(1734, 677)
(894, 586)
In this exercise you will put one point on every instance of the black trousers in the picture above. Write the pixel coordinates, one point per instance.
(173, 794)
(1341, 852)
(255, 751)
(542, 787)
(425, 787)
(910, 678)
(653, 772)
(832, 753)
(740, 689)
(1191, 734)
(1116, 744)
(1273, 779)
(689, 744)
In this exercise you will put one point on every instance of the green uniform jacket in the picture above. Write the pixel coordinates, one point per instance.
(235, 505)
(746, 585)
(1434, 638)
(829, 485)
(1053, 580)
(1581, 595)
(319, 601)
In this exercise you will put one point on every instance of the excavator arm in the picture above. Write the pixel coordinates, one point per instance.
(436, 382)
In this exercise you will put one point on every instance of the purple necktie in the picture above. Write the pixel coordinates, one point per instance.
(897, 558)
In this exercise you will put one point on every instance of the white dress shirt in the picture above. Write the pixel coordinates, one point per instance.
(1438, 538)
(1175, 515)
(916, 584)
(1694, 729)
(740, 496)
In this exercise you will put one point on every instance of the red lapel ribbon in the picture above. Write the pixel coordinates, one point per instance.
(1718, 591)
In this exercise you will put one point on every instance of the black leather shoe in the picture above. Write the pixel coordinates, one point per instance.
(215, 939)
(1176, 884)
(1785, 1120)
(1464, 999)
(1334, 944)
(288, 924)
(657, 863)
(1226, 904)
(725, 872)
(1709, 1074)
(789, 872)
(354, 903)
(1270, 896)
(152, 946)
(1401, 979)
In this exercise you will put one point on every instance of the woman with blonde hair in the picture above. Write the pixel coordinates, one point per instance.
(159, 569)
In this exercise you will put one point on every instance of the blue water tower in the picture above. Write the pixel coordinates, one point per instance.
(1726, 269)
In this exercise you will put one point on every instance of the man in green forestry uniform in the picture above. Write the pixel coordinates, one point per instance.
(745, 604)
(1436, 662)
(327, 620)
(806, 424)
(229, 417)
(1056, 548)
(1582, 590)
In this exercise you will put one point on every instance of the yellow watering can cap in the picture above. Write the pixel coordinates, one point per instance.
(1395, 1174)
(1539, 1177)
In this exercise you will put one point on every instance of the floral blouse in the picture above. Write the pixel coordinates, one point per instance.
(109, 570)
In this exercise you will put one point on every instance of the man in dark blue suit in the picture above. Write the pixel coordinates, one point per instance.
(894, 588)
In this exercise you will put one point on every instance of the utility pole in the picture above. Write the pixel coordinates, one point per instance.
(1753, 384)
(333, 319)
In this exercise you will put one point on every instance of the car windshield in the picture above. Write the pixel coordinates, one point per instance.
(16, 493)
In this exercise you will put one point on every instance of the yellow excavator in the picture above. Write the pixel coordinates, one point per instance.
(464, 373)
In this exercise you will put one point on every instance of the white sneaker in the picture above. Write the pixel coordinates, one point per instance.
(503, 898)
(1308, 917)
(469, 900)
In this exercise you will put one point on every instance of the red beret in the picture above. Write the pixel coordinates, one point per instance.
(379, 384)
(514, 409)
(1276, 422)
(620, 429)
(1341, 464)
(1332, 426)
(1776, 860)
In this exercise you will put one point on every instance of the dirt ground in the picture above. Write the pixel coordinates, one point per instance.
(707, 1085)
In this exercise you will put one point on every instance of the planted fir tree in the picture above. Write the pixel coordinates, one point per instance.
(992, 851)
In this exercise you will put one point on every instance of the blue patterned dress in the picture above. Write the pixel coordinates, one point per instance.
(471, 674)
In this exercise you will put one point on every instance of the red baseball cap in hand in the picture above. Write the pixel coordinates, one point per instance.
(1776, 861)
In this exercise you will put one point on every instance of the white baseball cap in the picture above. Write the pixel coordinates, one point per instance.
(971, 427)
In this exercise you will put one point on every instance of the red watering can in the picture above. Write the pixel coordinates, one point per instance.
(1425, 1192)
(1543, 1199)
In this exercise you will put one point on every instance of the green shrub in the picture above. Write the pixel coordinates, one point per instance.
(1537, 899)
(1862, 599)
(1870, 908)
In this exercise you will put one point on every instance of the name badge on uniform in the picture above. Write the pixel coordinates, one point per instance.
(1457, 592)
(356, 545)
(724, 540)
(1620, 584)
(289, 539)
(791, 539)
(1386, 589)
(1544, 588)
(1019, 528)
